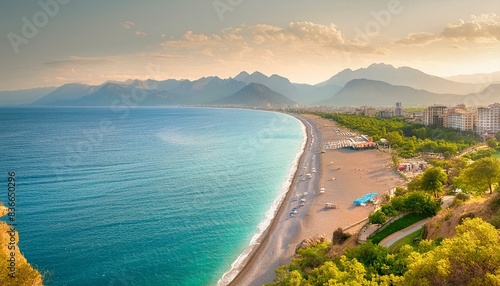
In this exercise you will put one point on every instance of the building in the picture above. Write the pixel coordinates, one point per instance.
(399, 109)
(370, 112)
(435, 115)
(460, 119)
(385, 114)
(366, 111)
(488, 119)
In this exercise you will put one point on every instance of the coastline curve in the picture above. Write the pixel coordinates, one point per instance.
(266, 225)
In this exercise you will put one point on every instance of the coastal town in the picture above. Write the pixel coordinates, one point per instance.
(343, 183)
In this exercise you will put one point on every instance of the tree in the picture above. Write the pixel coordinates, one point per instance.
(420, 133)
(377, 217)
(491, 142)
(415, 184)
(433, 180)
(497, 136)
(482, 174)
(372, 256)
(416, 202)
(389, 210)
(458, 164)
(347, 273)
(472, 257)
(421, 203)
(310, 257)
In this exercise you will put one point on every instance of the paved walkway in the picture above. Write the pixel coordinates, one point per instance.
(391, 239)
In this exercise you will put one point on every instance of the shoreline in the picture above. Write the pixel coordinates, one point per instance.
(345, 174)
(241, 262)
(264, 239)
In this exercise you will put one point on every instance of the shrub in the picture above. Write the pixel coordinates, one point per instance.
(466, 216)
(389, 210)
(495, 221)
(495, 203)
(377, 217)
(460, 198)
(400, 191)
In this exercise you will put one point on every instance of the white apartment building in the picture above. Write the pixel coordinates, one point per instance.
(460, 119)
(488, 119)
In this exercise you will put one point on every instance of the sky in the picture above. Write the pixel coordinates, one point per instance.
(53, 42)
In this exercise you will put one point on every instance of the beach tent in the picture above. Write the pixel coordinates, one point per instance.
(364, 199)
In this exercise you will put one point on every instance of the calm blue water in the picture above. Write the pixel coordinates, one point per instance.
(152, 196)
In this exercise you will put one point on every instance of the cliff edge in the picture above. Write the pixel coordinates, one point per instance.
(14, 268)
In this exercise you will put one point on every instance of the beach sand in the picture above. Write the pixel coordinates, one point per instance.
(345, 174)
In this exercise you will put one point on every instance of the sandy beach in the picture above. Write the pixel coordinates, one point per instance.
(345, 175)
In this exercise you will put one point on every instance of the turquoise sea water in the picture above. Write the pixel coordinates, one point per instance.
(151, 196)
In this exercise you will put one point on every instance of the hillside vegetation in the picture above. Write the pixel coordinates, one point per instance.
(462, 241)
(471, 257)
(24, 273)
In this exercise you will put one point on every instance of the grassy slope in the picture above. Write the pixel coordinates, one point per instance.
(406, 240)
(397, 225)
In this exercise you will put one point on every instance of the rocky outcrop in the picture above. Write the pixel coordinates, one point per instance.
(14, 268)
(311, 241)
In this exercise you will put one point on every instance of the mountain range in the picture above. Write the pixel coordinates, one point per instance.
(377, 85)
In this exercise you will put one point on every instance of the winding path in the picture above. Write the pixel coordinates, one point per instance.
(393, 238)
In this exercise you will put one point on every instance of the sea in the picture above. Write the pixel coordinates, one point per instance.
(144, 196)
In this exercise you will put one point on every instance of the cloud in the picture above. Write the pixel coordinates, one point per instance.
(418, 39)
(140, 34)
(479, 29)
(258, 40)
(78, 60)
(128, 25)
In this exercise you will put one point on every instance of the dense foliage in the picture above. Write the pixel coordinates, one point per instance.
(408, 138)
(480, 175)
(471, 257)
(483, 153)
(417, 202)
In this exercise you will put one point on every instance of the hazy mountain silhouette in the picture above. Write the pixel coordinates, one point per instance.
(403, 76)
(23, 97)
(256, 95)
(65, 95)
(378, 84)
(378, 93)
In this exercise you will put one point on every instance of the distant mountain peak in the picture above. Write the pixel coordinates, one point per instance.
(242, 76)
(255, 95)
(380, 65)
(258, 73)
